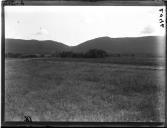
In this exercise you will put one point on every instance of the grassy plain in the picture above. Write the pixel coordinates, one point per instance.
(54, 90)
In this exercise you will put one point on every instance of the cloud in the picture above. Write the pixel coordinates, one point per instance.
(42, 31)
(147, 30)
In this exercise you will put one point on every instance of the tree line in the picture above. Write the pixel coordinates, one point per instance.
(92, 53)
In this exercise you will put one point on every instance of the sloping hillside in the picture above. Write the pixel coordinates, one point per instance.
(33, 46)
(138, 45)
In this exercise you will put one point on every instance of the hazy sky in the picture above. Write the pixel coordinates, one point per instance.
(75, 24)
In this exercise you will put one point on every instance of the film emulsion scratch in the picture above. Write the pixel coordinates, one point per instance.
(84, 63)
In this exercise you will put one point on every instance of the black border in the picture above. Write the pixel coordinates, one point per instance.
(71, 3)
(2, 63)
(165, 68)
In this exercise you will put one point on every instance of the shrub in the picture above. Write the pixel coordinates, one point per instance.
(96, 53)
(93, 53)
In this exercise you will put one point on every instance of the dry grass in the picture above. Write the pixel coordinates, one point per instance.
(80, 91)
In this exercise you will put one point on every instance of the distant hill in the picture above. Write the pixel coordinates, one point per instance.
(133, 45)
(33, 46)
(136, 45)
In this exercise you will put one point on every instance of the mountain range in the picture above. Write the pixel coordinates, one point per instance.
(154, 45)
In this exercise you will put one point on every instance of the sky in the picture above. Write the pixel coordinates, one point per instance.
(73, 25)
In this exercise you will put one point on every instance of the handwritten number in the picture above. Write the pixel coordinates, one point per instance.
(161, 10)
(162, 25)
(161, 15)
(161, 20)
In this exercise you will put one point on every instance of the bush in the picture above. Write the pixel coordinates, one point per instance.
(21, 55)
(96, 53)
(93, 53)
(66, 54)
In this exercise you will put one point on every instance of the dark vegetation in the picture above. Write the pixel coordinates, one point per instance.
(95, 56)
(92, 53)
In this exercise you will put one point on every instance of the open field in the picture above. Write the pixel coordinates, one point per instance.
(145, 61)
(55, 90)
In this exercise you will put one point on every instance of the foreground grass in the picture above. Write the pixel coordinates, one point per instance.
(80, 91)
